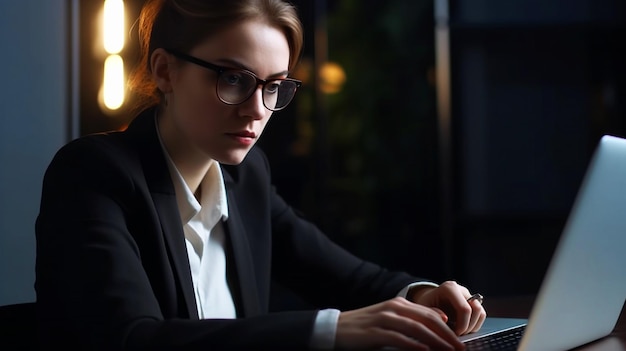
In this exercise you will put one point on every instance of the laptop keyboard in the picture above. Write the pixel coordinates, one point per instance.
(503, 341)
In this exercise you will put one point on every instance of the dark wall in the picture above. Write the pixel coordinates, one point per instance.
(534, 85)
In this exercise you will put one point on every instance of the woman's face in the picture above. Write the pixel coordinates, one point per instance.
(198, 122)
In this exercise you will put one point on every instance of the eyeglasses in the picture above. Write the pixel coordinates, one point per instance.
(235, 86)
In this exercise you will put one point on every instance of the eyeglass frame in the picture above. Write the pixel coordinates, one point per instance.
(221, 69)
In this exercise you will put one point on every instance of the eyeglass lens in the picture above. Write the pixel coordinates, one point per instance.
(234, 87)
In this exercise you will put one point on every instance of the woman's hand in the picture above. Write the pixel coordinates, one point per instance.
(398, 323)
(464, 317)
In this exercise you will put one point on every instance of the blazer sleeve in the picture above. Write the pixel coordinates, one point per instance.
(312, 265)
(103, 271)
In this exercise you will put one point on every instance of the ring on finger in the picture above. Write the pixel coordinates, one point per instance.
(477, 297)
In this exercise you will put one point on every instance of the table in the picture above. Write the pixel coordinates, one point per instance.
(520, 306)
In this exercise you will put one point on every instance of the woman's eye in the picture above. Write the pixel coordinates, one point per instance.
(272, 87)
(231, 78)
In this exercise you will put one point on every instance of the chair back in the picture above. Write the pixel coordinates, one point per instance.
(18, 327)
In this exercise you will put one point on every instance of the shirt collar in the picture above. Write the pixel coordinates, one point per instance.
(213, 199)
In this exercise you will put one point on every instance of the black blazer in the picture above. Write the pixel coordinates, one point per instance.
(112, 270)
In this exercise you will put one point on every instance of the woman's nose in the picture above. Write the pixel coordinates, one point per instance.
(254, 106)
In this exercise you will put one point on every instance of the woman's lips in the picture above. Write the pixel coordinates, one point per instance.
(245, 138)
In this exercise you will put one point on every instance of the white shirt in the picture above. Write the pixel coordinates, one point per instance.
(204, 237)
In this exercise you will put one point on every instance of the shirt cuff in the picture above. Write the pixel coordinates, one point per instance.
(324, 329)
(405, 291)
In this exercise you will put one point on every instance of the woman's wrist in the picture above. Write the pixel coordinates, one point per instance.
(416, 292)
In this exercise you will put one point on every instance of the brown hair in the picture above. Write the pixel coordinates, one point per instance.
(182, 24)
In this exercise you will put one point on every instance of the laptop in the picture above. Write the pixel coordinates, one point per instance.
(584, 289)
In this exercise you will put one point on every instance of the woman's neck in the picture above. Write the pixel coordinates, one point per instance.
(190, 162)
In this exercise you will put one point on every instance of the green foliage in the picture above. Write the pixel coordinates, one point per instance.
(382, 124)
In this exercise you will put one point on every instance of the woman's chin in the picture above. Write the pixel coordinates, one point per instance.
(232, 159)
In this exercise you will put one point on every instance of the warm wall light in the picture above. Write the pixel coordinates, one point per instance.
(113, 85)
(113, 26)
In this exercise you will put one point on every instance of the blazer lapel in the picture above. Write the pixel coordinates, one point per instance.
(164, 197)
(175, 238)
(242, 257)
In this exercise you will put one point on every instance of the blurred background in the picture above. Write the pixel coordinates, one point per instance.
(446, 138)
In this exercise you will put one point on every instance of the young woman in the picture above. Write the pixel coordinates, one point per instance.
(165, 236)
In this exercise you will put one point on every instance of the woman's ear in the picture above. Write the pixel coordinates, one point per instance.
(162, 68)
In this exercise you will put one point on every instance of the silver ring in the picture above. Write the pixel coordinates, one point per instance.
(477, 297)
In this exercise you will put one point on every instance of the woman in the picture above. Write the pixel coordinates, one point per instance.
(165, 236)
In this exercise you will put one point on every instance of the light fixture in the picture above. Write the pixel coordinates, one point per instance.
(113, 83)
(113, 26)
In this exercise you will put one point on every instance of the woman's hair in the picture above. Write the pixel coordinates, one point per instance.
(183, 24)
